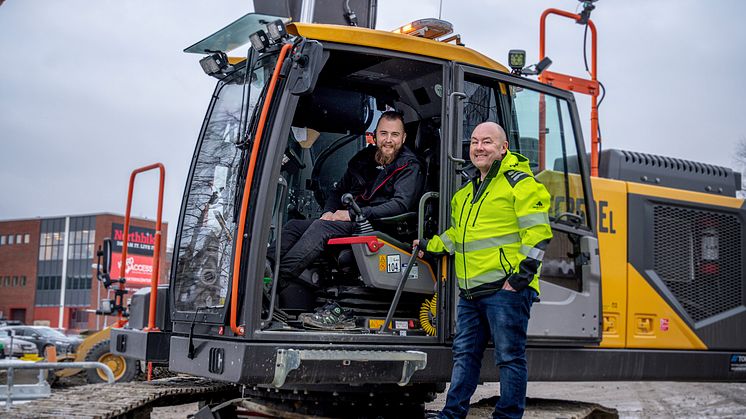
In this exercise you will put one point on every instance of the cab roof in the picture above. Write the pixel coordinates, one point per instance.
(392, 41)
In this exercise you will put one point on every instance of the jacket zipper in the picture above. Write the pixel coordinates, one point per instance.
(463, 241)
(479, 208)
(461, 216)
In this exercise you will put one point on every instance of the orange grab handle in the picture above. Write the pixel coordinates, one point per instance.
(247, 190)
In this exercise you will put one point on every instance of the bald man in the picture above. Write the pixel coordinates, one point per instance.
(499, 233)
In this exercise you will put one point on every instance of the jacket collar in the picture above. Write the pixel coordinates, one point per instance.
(510, 161)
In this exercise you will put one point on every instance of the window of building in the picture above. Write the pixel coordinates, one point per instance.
(19, 238)
(15, 281)
(7, 281)
(10, 238)
(81, 244)
(51, 245)
(23, 281)
(26, 238)
(3, 240)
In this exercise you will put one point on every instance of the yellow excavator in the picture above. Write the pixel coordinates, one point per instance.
(644, 279)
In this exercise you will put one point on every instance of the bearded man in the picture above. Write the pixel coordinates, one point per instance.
(386, 180)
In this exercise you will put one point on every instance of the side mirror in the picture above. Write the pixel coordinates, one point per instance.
(103, 265)
(106, 254)
(308, 60)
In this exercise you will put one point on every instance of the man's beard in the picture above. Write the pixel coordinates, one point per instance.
(384, 159)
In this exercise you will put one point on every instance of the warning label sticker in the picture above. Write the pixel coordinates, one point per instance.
(738, 362)
(664, 325)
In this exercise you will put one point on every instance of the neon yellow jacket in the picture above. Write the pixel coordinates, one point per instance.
(499, 229)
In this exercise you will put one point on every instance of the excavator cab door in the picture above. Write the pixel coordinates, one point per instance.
(542, 124)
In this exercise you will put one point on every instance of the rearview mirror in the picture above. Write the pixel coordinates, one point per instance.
(106, 254)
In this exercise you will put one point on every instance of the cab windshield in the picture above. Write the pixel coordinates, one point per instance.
(208, 220)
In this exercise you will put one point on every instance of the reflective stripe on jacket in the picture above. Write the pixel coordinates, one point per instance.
(499, 229)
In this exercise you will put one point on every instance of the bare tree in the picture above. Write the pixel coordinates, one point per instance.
(740, 156)
(740, 159)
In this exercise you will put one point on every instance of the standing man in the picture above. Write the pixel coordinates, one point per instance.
(500, 228)
(386, 180)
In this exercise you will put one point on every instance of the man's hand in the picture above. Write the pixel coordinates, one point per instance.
(421, 253)
(338, 215)
(341, 215)
(507, 287)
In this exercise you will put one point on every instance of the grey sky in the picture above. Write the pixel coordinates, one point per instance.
(89, 90)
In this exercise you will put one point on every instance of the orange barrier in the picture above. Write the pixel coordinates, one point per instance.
(575, 84)
(156, 252)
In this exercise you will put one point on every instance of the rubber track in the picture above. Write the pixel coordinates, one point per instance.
(134, 399)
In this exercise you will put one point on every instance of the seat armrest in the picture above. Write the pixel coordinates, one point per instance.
(394, 219)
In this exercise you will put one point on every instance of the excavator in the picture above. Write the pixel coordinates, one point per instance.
(643, 280)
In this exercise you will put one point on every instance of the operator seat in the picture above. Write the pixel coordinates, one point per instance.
(401, 230)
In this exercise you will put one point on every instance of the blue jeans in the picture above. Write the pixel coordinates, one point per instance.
(504, 316)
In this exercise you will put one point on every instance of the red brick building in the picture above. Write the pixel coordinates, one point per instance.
(19, 244)
(37, 254)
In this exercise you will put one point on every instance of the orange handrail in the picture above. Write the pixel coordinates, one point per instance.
(247, 190)
(156, 250)
(563, 81)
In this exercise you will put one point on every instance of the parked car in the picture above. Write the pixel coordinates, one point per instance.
(43, 336)
(7, 322)
(19, 348)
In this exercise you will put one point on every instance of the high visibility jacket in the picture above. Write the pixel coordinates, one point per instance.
(499, 229)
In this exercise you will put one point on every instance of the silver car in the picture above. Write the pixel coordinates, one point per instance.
(19, 348)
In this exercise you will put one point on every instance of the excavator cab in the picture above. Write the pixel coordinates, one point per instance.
(280, 128)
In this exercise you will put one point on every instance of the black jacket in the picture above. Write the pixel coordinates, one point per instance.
(380, 191)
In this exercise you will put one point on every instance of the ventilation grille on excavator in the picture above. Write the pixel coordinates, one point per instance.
(697, 254)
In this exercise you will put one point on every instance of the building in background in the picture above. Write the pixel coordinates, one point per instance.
(36, 254)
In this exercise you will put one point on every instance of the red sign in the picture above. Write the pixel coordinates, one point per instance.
(137, 269)
(140, 240)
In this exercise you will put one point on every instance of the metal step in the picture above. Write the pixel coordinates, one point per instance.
(290, 359)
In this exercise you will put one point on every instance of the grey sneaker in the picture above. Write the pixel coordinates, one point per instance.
(330, 317)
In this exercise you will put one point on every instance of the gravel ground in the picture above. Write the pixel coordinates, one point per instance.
(579, 399)
(635, 399)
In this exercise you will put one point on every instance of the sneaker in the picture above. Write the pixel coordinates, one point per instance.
(326, 307)
(330, 317)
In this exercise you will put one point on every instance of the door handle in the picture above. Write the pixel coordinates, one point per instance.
(451, 118)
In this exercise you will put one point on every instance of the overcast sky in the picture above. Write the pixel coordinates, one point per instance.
(90, 90)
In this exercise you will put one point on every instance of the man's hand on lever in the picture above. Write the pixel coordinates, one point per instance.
(421, 253)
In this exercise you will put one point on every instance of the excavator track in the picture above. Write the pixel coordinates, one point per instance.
(130, 400)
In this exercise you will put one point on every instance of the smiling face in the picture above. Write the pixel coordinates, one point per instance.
(390, 136)
(488, 143)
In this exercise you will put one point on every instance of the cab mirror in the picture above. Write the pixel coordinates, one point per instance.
(106, 256)
(307, 64)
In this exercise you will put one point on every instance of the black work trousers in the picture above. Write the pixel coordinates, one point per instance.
(303, 242)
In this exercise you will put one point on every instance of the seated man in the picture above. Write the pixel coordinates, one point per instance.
(386, 180)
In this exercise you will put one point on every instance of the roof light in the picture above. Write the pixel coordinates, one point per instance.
(517, 59)
(426, 28)
(215, 64)
(259, 40)
(276, 30)
(517, 62)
